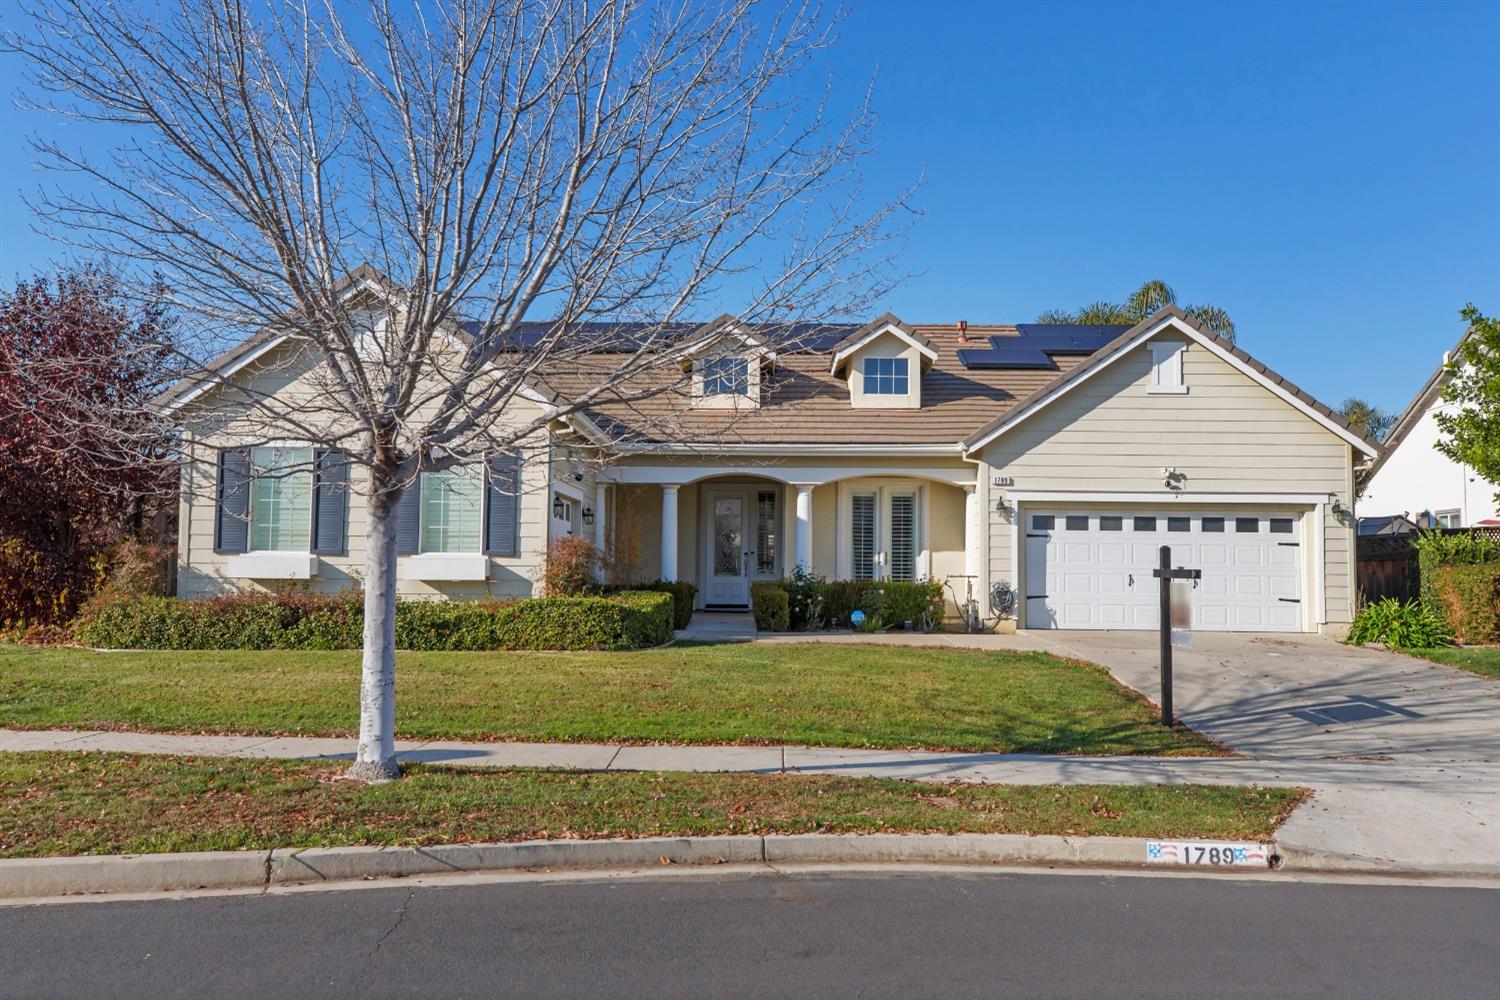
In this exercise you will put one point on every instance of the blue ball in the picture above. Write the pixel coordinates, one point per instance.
(857, 618)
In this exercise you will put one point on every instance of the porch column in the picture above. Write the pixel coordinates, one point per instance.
(804, 527)
(971, 534)
(668, 532)
(601, 533)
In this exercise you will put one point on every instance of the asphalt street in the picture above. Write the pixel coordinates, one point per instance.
(907, 934)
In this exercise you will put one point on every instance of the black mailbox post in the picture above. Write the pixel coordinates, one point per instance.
(1166, 574)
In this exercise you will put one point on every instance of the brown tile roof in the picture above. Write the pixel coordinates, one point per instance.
(803, 404)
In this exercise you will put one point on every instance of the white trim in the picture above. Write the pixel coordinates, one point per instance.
(444, 567)
(572, 490)
(895, 331)
(709, 448)
(268, 564)
(1166, 363)
(1176, 325)
(212, 379)
(1320, 568)
(1063, 496)
(681, 475)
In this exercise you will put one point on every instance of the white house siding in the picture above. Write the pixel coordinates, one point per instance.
(1416, 477)
(203, 572)
(1226, 435)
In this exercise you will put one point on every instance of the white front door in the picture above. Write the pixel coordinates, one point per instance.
(1093, 570)
(728, 578)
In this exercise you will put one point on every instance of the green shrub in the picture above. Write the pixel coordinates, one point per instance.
(1469, 598)
(770, 607)
(684, 596)
(628, 620)
(1412, 625)
(919, 602)
(804, 594)
(1440, 548)
(841, 598)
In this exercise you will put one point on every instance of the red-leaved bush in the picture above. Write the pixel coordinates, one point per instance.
(570, 567)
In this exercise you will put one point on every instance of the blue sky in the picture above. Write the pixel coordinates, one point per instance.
(1327, 173)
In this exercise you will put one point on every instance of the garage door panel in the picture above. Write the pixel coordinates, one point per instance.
(1096, 569)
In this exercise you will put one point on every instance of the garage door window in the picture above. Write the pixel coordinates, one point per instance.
(1213, 525)
(1246, 525)
(1178, 523)
(1078, 522)
(1042, 522)
(1281, 526)
(1108, 523)
(1145, 524)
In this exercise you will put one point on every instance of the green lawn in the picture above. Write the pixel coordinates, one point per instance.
(857, 696)
(1482, 660)
(93, 803)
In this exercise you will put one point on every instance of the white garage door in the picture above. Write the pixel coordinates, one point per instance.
(1093, 570)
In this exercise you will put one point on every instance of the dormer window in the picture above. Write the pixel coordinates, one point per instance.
(887, 376)
(726, 376)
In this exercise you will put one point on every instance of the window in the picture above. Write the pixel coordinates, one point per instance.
(1077, 522)
(726, 376)
(1166, 368)
(729, 543)
(1178, 523)
(452, 509)
(281, 499)
(903, 536)
(886, 377)
(1110, 522)
(1246, 525)
(1281, 526)
(1449, 519)
(1213, 525)
(1043, 522)
(862, 526)
(1144, 523)
(765, 532)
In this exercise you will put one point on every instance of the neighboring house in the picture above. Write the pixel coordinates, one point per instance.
(1394, 524)
(1050, 461)
(1411, 477)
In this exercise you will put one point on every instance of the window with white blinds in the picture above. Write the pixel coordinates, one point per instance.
(862, 525)
(765, 532)
(903, 536)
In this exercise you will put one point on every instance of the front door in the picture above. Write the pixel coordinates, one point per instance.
(728, 555)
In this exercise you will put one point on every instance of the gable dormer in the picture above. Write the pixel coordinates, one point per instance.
(883, 362)
(727, 363)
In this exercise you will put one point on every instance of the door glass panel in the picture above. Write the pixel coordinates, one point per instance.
(1213, 524)
(1247, 525)
(1109, 522)
(903, 536)
(765, 532)
(1145, 523)
(862, 528)
(1078, 522)
(729, 520)
(1177, 523)
(1281, 526)
(1042, 522)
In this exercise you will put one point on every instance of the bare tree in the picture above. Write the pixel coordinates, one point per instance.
(473, 164)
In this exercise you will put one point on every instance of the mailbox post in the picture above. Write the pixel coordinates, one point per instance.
(1166, 574)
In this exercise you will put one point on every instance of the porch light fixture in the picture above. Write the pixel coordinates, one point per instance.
(1337, 505)
(558, 510)
(588, 515)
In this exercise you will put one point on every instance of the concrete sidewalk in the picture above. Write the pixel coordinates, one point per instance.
(1440, 817)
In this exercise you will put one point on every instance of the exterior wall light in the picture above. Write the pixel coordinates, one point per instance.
(588, 515)
(558, 510)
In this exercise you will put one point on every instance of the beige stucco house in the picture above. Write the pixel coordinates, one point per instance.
(1040, 467)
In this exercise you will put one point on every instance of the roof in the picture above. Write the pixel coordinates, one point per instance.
(887, 323)
(1388, 524)
(1420, 404)
(1128, 339)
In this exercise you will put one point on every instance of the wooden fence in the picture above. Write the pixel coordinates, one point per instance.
(1388, 564)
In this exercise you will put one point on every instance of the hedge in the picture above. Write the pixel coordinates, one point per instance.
(886, 603)
(1469, 597)
(684, 595)
(627, 620)
(770, 607)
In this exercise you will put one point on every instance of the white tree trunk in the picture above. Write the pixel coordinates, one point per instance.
(375, 759)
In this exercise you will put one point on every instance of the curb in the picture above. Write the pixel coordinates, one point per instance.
(29, 878)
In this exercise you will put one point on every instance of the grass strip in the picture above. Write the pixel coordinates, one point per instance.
(818, 695)
(1481, 660)
(99, 803)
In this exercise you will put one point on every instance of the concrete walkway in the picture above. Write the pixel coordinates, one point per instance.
(718, 626)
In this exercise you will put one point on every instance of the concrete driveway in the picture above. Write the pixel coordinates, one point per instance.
(1306, 696)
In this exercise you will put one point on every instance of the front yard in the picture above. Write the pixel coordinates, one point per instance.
(821, 695)
(94, 803)
(1482, 660)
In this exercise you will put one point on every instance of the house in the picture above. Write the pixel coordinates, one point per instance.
(1391, 524)
(1039, 466)
(1411, 477)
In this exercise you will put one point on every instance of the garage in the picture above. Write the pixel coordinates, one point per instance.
(1092, 570)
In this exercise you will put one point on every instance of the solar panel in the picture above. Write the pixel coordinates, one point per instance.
(1037, 344)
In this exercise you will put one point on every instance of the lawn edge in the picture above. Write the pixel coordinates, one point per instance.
(34, 878)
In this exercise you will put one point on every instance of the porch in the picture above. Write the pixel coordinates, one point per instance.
(725, 529)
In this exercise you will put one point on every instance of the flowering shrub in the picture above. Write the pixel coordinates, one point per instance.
(816, 603)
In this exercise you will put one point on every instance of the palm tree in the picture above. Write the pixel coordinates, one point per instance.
(1144, 301)
(1369, 419)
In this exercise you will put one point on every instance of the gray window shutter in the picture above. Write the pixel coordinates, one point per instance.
(330, 505)
(232, 502)
(409, 519)
(502, 504)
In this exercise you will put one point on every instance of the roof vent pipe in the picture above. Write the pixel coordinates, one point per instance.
(963, 331)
